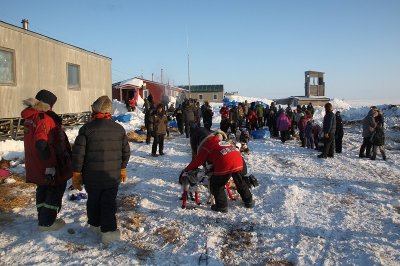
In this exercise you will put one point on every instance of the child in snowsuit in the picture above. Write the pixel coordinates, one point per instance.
(179, 118)
(378, 140)
(316, 130)
(158, 128)
(100, 155)
(308, 135)
(339, 133)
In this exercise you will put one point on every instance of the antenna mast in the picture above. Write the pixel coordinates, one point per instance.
(188, 62)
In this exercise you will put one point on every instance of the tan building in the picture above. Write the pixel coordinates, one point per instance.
(210, 93)
(30, 61)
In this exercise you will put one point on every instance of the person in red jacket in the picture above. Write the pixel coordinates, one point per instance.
(225, 123)
(227, 161)
(47, 157)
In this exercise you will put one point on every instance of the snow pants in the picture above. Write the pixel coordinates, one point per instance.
(329, 146)
(310, 142)
(148, 135)
(338, 143)
(48, 203)
(284, 135)
(217, 186)
(180, 125)
(158, 141)
(188, 125)
(366, 146)
(375, 151)
(207, 123)
(101, 208)
(302, 138)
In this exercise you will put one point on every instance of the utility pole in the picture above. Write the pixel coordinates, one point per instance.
(188, 63)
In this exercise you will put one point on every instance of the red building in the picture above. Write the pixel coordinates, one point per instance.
(135, 87)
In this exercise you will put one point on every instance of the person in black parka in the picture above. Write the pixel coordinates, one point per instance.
(339, 133)
(100, 155)
(207, 116)
(179, 118)
(197, 134)
(378, 141)
(149, 112)
(329, 129)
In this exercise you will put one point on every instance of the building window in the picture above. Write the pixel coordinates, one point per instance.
(215, 97)
(145, 94)
(7, 66)
(74, 77)
(200, 96)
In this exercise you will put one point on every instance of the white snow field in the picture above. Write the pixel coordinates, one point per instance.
(309, 211)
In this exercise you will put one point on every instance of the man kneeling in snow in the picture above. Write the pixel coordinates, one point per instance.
(227, 162)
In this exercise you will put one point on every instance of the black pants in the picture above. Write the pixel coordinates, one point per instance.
(188, 125)
(233, 127)
(329, 146)
(338, 143)
(284, 135)
(180, 125)
(366, 146)
(207, 123)
(217, 185)
(48, 203)
(158, 141)
(302, 136)
(375, 150)
(260, 121)
(101, 208)
(224, 125)
(148, 135)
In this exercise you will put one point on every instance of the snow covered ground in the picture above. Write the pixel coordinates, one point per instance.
(340, 211)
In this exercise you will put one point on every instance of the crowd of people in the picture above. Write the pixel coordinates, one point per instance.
(100, 154)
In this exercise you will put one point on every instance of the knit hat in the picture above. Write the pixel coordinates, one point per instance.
(46, 97)
(102, 105)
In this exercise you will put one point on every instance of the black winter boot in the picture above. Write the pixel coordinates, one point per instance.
(219, 209)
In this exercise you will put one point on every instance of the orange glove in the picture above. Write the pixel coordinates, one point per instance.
(77, 181)
(123, 175)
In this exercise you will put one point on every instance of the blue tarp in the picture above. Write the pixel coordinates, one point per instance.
(173, 123)
(260, 134)
(229, 103)
(140, 132)
(122, 118)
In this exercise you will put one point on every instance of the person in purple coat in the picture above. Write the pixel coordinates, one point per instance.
(283, 124)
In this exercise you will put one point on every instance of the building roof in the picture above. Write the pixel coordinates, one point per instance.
(139, 81)
(204, 88)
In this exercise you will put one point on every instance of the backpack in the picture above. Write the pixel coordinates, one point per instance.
(63, 155)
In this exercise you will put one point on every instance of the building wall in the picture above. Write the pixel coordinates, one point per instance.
(41, 63)
(207, 96)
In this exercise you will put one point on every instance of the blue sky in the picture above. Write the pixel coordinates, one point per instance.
(259, 48)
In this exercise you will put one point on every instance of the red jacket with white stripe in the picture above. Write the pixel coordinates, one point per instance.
(225, 158)
(40, 126)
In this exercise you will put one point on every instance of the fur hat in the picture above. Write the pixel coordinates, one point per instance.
(46, 97)
(220, 134)
(102, 105)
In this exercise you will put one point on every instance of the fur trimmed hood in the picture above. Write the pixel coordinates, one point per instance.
(37, 105)
(218, 133)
